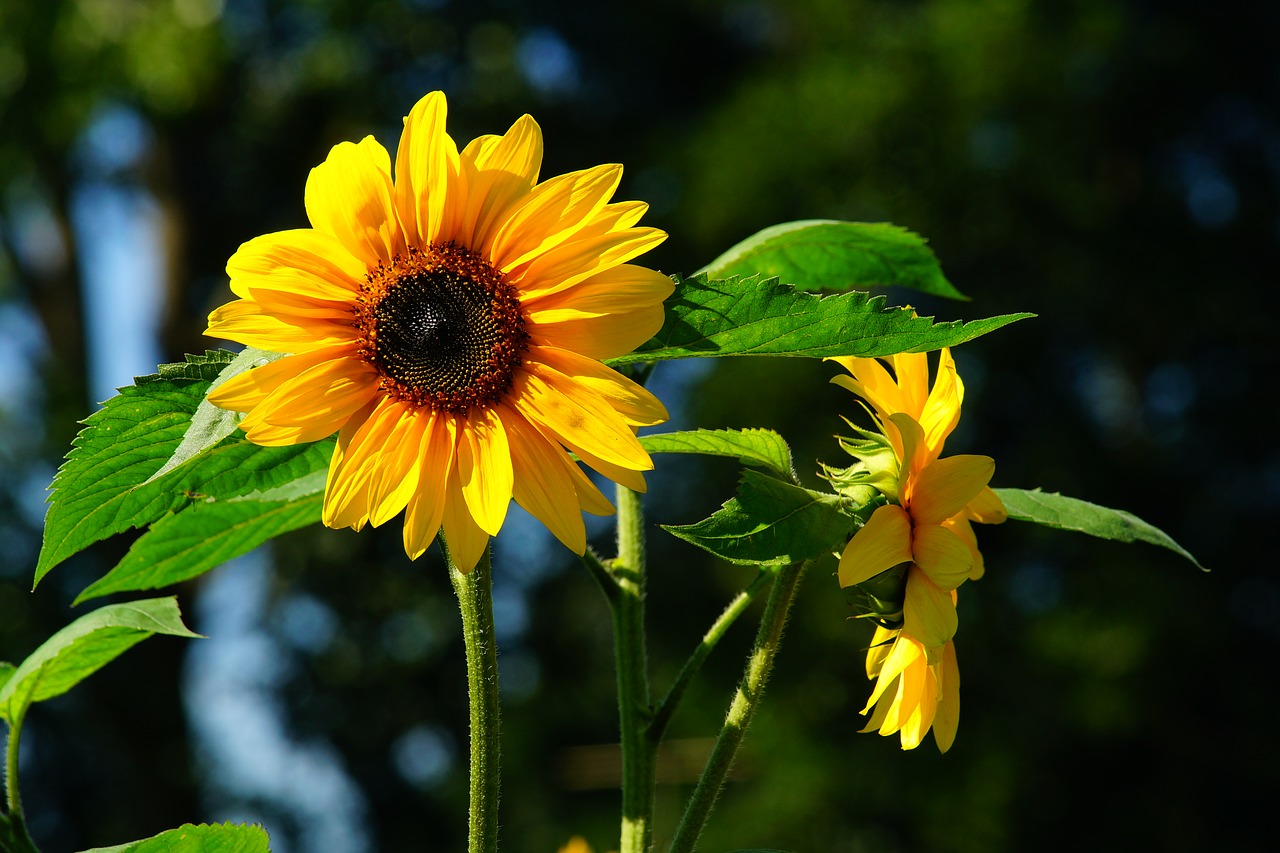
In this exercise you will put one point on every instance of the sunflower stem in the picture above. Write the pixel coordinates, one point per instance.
(475, 600)
(667, 707)
(639, 747)
(741, 710)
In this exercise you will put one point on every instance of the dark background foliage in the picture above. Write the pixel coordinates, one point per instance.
(1111, 166)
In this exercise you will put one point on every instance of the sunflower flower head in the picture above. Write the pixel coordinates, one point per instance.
(920, 545)
(448, 319)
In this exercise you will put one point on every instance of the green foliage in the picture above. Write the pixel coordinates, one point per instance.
(82, 648)
(771, 523)
(6, 672)
(755, 316)
(760, 447)
(210, 424)
(1062, 513)
(158, 456)
(826, 254)
(198, 838)
(95, 493)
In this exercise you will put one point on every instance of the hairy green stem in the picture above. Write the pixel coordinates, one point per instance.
(741, 710)
(475, 600)
(639, 748)
(12, 798)
(667, 707)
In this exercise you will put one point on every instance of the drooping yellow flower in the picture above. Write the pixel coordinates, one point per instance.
(447, 320)
(928, 529)
(914, 691)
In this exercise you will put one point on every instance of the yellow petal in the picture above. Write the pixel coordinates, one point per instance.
(590, 498)
(425, 511)
(543, 483)
(395, 480)
(356, 460)
(942, 488)
(426, 169)
(986, 508)
(636, 405)
(960, 526)
(341, 450)
(942, 555)
(302, 260)
(465, 540)
(941, 411)
(244, 391)
(632, 480)
(912, 371)
(551, 213)
(320, 399)
(902, 654)
(928, 613)
(882, 543)
(498, 172)
(947, 719)
(245, 321)
(349, 195)
(576, 416)
(484, 468)
(881, 644)
(873, 383)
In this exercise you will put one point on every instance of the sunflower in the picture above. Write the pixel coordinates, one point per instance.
(448, 321)
(926, 527)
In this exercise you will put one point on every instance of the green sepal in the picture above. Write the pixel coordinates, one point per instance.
(83, 647)
(759, 316)
(1051, 509)
(881, 598)
(199, 838)
(771, 522)
(827, 254)
(762, 448)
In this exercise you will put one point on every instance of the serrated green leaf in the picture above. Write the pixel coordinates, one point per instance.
(199, 838)
(203, 536)
(760, 447)
(1051, 509)
(827, 254)
(105, 487)
(762, 317)
(770, 523)
(84, 647)
(197, 368)
(210, 424)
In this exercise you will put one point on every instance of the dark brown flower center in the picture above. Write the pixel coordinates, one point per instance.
(442, 328)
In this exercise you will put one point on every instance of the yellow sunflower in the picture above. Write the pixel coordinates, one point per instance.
(447, 320)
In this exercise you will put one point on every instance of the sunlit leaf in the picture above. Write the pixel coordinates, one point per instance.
(760, 447)
(755, 316)
(1051, 509)
(826, 254)
(771, 522)
(108, 483)
(210, 424)
(198, 838)
(84, 647)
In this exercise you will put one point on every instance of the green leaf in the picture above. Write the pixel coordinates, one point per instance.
(203, 536)
(1051, 509)
(210, 424)
(771, 522)
(199, 368)
(752, 316)
(199, 838)
(84, 647)
(110, 481)
(826, 254)
(760, 447)
(95, 491)
(6, 672)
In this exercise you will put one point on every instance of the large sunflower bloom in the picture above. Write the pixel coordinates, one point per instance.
(447, 320)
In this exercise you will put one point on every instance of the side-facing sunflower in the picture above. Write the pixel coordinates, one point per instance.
(447, 320)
